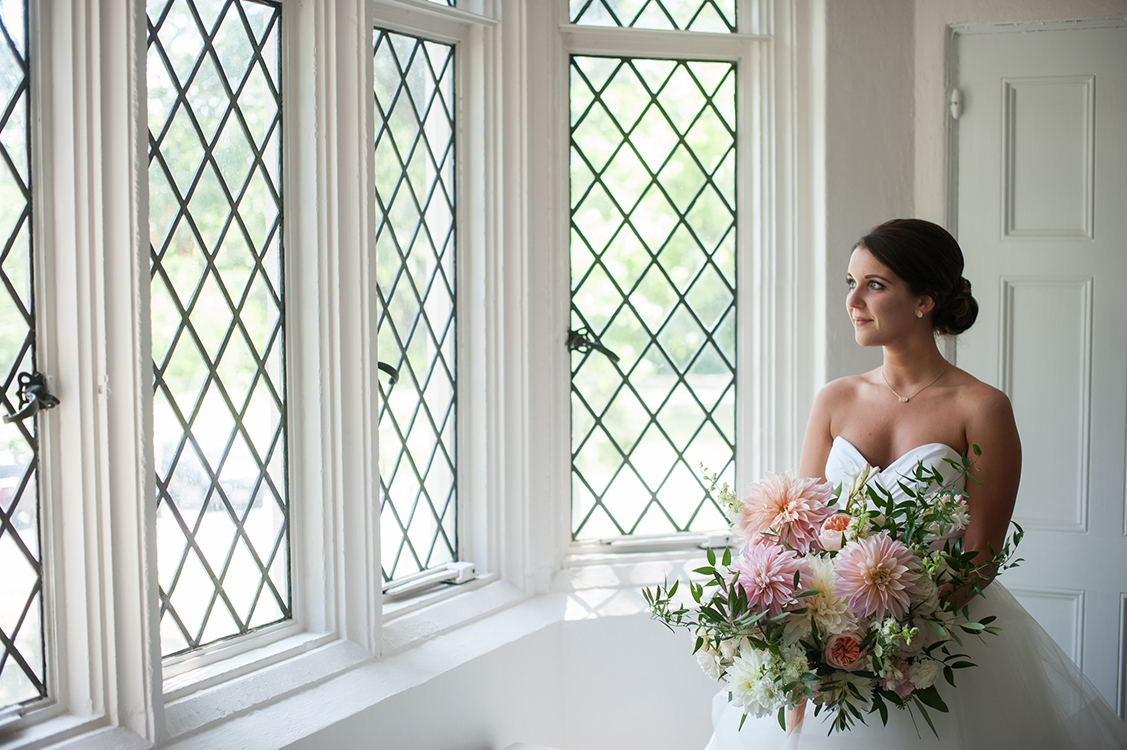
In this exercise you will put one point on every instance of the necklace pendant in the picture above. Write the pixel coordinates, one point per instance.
(903, 400)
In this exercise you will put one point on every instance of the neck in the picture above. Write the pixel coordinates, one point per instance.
(913, 362)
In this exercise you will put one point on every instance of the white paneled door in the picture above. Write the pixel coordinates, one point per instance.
(1042, 218)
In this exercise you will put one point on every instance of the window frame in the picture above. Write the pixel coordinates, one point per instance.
(769, 363)
(107, 678)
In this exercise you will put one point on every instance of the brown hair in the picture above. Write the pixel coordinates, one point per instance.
(929, 259)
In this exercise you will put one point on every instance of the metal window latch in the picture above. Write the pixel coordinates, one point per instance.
(33, 397)
(584, 341)
(455, 573)
(392, 373)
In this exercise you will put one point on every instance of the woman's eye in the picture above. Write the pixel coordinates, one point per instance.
(876, 285)
(850, 283)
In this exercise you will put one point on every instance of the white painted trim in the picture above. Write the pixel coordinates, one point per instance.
(769, 277)
(951, 68)
(597, 40)
(1074, 597)
(1051, 24)
(1121, 683)
(93, 294)
(515, 222)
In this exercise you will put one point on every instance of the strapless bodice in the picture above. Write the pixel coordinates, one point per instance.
(844, 458)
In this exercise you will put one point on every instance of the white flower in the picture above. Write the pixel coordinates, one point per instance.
(830, 611)
(954, 515)
(859, 528)
(752, 686)
(729, 649)
(858, 478)
(709, 662)
(794, 663)
(796, 628)
(927, 599)
(924, 673)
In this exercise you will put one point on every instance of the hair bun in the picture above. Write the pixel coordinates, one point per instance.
(958, 311)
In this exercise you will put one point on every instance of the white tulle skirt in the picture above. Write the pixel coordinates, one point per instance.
(1025, 694)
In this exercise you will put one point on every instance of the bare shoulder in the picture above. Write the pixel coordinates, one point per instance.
(842, 390)
(981, 400)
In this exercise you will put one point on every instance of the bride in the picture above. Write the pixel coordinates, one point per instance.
(905, 285)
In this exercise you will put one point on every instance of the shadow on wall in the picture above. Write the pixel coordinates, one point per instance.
(590, 684)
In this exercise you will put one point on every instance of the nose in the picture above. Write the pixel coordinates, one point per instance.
(853, 299)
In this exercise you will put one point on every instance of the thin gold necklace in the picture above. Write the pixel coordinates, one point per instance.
(905, 399)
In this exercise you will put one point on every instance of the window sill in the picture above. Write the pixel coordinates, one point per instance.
(504, 616)
(296, 686)
(36, 732)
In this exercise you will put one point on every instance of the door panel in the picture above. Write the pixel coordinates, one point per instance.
(1042, 217)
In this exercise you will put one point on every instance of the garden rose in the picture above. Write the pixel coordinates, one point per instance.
(832, 534)
(709, 662)
(924, 673)
(843, 651)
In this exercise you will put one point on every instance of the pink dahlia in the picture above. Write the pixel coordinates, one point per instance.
(766, 573)
(789, 508)
(877, 575)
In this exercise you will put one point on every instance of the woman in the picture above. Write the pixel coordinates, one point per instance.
(905, 285)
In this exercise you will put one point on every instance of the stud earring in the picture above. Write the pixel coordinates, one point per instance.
(919, 313)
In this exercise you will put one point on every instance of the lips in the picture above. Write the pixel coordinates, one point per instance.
(858, 322)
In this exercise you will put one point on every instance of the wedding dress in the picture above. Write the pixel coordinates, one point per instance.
(1025, 693)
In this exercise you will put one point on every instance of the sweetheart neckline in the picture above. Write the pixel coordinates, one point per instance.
(910, 452)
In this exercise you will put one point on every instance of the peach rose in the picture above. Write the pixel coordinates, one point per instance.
(843, 651)
(832, 534)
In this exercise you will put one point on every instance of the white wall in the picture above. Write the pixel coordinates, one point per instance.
(593, 684)
(932, 19)
(868, 146)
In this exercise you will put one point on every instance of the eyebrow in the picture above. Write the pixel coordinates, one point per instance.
(871, 276)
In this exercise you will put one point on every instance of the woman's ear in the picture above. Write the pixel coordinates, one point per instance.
(925, 305)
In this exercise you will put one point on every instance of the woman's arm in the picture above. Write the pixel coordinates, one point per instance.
(990, 426)
(819, 436)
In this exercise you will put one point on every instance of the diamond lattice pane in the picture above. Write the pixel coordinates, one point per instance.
(682, 15)
(22, 645)
(215, 219)
(653, 226)
(415, 253)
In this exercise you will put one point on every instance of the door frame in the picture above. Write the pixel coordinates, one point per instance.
(951, 204)
(951, 76)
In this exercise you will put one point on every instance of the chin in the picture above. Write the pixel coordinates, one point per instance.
(863, 338)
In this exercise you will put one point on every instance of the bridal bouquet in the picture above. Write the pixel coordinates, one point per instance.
(844, 597)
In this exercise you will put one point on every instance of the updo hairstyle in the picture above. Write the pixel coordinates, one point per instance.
(929, 259)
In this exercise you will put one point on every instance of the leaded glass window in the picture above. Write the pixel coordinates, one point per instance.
(682, 15)
(22, 647)
(218, 323)
(653, 270)
(417, 327)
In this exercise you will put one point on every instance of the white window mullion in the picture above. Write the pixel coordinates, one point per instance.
(97, 465)
(332, 272)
